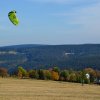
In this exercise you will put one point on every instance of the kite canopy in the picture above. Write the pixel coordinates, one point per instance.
(13, 18)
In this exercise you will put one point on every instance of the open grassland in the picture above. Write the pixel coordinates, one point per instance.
(26, 89)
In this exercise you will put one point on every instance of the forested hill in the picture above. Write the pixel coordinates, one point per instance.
(47, 56)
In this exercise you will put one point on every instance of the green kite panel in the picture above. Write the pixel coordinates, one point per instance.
(13, 18)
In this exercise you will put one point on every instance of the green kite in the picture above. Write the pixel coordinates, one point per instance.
(13, 18)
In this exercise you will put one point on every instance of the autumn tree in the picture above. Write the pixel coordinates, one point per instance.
(97, 74)
(56, 69)
(55, 75)
(92, 73)
(3, 72)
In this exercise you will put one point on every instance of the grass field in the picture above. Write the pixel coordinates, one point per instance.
(26, 89)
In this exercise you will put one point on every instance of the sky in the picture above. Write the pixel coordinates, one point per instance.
(50, 22)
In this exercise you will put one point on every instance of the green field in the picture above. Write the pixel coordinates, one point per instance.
(26, 89)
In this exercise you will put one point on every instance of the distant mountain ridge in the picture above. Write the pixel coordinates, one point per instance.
(36, 56)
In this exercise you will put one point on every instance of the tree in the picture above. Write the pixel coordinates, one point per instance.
(41, 74)
(47, 74)
(3, 72)
(21, 72)
(55, 75)
(33, 74)
(78, 76)
(97, 81)
(56, 69)
(64, 75)
(83, 76)
(92, 73)
(72, 77)
(97, 74)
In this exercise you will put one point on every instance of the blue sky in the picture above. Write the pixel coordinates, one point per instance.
(50, 22)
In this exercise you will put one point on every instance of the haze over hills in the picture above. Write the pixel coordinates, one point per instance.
(33, 56)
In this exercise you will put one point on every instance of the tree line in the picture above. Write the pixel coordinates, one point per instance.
(55, 74)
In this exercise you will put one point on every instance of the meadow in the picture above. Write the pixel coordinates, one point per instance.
(28, 89)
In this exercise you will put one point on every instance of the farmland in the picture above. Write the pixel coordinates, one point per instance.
(27, 89)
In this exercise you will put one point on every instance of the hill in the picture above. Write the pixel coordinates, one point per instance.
(33, 56)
